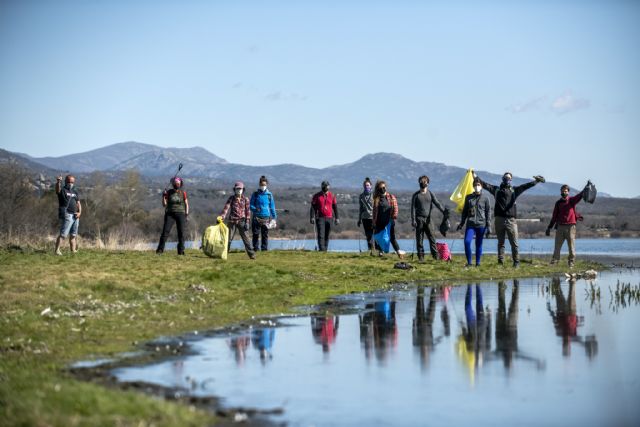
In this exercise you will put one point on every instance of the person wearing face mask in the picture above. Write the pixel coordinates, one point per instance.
(564, 220)
(324, 209)
(477, 215)
(365, 218)
(505, 213)
(237, 207)
(69, 212)
(422, 203)
(263, 208)
(176, 206)
(385, 212)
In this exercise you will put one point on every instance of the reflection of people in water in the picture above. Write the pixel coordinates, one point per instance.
(239, 345)
(567, 322)
(475, 340)
(423, 340)
(507, 328)
(262, 340)
(378, 329)
(325, 330)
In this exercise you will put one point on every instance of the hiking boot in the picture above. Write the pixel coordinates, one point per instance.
(159, 252)
(500, 262)
(58, 252)
(516, 264)
(468, 265)
(421, 259)
(553, 262)
(252, 256)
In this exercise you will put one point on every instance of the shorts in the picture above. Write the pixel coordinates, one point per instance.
(69, 225)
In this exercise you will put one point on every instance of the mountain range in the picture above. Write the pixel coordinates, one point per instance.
(400, 172)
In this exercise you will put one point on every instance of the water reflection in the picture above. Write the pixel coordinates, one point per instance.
(379, 330)
(428, 344)
(325, 330)
(566, 321)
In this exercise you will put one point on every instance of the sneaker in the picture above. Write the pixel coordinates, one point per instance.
(421, 259)
(59, 252)
(516, 264)
(159, 252)
(500, 262)
(477, 265)
(252, 256)
(468, 265)
(553, 262)
(401, 254)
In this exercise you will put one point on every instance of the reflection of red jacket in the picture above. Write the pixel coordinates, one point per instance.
(328, 332)
(564, 212)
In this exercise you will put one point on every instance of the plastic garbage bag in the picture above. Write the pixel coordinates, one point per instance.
(464, 188)
(383, 238)
(445, 225)
(215, 240)
(589, 193)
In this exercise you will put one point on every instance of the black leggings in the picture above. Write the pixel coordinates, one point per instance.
(169, 218)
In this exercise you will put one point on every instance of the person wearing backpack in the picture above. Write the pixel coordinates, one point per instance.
(365, 216)
(239, 212)
(505, 213)
(564, 220)
(422, 203)
(69, 212)
(477, 214)
(176, 205)
(324, 209)
(263, 209)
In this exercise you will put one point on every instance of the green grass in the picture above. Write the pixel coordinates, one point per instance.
(104, 302)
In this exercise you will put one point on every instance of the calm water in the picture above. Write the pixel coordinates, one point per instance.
(613, 247)
(532, 352)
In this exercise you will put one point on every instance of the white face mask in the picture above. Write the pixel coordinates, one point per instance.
(263, 187)
(238, 191)
(478, 188)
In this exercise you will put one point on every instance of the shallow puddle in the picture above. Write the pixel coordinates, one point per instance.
(528, 352)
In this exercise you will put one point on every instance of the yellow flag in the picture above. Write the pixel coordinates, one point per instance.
(464, 188)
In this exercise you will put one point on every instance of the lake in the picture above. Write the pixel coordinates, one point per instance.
(524, 352)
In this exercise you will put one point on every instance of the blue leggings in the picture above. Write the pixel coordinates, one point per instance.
(468, 237)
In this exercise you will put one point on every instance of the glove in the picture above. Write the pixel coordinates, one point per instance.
(219, 219)
(547, 232)
(487, 232)
(359, 223)
(414, 224)
(246, 226)
(336, 221)
(312, 220)
(459, 227)
(539, 178)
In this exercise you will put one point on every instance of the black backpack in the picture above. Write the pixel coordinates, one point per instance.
(589, 193)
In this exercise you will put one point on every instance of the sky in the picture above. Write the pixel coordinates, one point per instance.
(532, 87)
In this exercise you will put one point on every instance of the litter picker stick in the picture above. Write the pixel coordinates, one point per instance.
(175, 175)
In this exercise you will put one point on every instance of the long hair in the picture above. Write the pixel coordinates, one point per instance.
(376, 193)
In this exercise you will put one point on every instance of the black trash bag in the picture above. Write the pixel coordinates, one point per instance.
(403, 266)
(445, 225)
(589, 193)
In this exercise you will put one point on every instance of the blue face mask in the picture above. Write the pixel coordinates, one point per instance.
(367, 190)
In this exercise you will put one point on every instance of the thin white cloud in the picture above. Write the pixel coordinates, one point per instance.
(568, 103)
(283, 96)
(532, 104)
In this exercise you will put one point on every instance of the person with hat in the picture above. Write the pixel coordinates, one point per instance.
(324, 209)
(505, 212)
(239, 212)
(263, 209)
(69, 211)
(176, 206)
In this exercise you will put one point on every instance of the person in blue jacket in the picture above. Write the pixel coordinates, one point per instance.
(263, 210)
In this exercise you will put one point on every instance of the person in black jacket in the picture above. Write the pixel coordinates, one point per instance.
(422, 203)
(505, 213)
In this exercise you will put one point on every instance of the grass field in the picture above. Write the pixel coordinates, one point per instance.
(57, 310)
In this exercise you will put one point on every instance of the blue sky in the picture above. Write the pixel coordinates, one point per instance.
(544, 87)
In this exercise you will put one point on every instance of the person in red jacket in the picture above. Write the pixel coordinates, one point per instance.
(324, 208)
(564, 220)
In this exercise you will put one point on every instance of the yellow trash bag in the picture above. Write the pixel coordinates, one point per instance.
(215, 240)
(464, 188)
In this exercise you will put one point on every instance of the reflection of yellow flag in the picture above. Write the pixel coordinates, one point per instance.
(215, 240)
(464, 188)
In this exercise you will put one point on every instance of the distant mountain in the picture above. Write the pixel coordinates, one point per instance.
(400, 173)
(21, 160)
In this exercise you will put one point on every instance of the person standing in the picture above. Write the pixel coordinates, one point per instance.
(505, 213)
(176, 206)
(69, 212)
(324, 209)
(422, 203)
(477, 214)
(365, 217)
(263, 208)
(237, 207)
(564, 220)
(385, 212)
